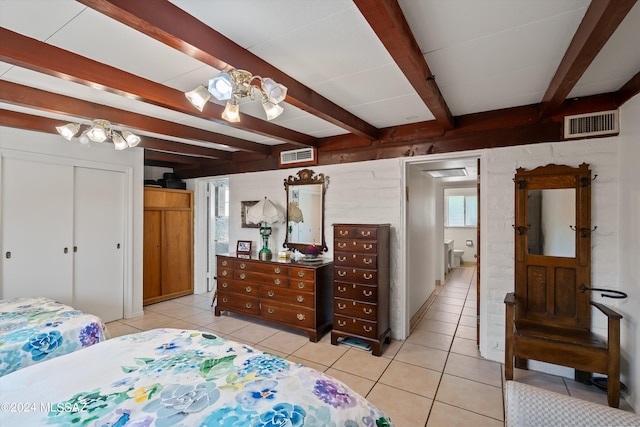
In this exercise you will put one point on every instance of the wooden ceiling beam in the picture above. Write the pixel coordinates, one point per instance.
(169, 157)
(629, 90)
(388, 22)
(35, 55)
(600, 21)
(174, 27)
(26, 96)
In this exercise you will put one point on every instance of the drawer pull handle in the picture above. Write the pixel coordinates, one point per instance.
(300, 298)
(342, 289)
(368, 261)
(301, 316)
(342, 245)
(301, 285)
(344, 233)
(367, 293)
(243, 276)
(248, 289)
(367, 276)
(367, 310)
(301, 273)
(342, 258)
(365, 233)
(225, 272)
(342, 306)
(271, 293)
(342, 323)
(224, 263)
(366, 246)
(277, 281)
(248, 305)
(276, 270)
(225, 299)
(342, 273)
(225, 285)
(271, 310)
(367, 328)
(243, 266)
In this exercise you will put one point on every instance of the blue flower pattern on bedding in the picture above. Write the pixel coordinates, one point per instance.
(167, 377)
(33, 330)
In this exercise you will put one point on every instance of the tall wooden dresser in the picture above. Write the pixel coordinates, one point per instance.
(361, 284)
(292, 294)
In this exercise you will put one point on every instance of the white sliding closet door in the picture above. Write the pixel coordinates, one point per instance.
(37, 229)
(98, 239)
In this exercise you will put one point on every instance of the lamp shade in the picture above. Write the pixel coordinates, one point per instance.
(276, 92)
(198, 97)
(294, 213)
(264, 211)
(221, 86)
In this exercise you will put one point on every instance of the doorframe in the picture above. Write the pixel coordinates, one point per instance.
(403, 291)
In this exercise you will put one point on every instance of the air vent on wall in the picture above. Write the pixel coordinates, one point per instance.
(592, 124)
(303, 156)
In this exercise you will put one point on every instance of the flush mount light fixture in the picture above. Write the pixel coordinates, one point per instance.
(446, 173)
(233, 85)
(99, 131)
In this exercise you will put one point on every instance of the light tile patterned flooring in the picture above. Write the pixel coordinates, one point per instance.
(434, 378)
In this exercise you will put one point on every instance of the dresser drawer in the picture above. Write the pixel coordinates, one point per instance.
(354, 291)
(224, 273)
(358, 275)
(296, 316)
(362, 246)
(288, 296)
(353, 308)
(355, 260)
(238, 287)
(302, 285)
(267, 268)
(239, 303)
(225, 262)
(355, 326)
(261, 279)
(301, 273)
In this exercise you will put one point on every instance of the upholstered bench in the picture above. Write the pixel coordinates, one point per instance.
(530, 406)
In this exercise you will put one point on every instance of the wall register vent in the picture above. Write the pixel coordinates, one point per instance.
(592, 124)
(303, 156)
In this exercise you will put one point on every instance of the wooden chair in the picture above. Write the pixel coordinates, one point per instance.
(548, 318)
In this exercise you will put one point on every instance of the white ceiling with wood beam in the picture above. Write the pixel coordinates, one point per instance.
(359, 72)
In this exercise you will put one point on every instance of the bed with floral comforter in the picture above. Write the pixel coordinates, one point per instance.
(35, 330)
(171, 377)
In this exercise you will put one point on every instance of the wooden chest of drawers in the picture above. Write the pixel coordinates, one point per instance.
(361, 284)
(296, 295)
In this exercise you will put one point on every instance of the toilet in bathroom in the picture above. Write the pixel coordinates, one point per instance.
(457, 257)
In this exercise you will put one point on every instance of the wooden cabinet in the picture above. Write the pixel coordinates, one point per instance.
(296, 295)
(361, 284)
(168, 244)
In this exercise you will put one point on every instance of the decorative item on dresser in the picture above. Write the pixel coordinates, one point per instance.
(168, 244)
(361, 284)
(293, 294)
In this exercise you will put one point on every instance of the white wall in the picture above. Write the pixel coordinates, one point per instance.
(628, 250)
(53, 145)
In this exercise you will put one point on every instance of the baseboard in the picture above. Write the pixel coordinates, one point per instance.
(418, 315)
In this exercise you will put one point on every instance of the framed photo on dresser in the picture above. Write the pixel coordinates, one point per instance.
(243, 249)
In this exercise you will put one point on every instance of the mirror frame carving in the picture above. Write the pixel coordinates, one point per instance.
(306, 177)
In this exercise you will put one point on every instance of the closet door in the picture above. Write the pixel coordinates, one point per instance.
(152, 279)
(98, 242)
(37, 229)
(177, 261)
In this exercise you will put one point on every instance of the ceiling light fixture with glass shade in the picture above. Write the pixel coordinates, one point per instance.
(99, 131)
(233, 85)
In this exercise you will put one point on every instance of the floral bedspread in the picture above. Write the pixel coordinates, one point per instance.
(34, 330)
(170, 377)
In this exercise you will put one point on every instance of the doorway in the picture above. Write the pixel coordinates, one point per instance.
(426, 265)
(217, 225)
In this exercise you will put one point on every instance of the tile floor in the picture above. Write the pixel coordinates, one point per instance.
(434, 378)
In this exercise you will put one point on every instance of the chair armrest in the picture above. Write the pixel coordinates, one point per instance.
(510, 298)
(606, 310)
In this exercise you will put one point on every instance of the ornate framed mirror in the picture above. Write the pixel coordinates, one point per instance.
(305, 210)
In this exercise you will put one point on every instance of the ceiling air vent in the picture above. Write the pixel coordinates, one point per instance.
(303, 156)
(592, 124)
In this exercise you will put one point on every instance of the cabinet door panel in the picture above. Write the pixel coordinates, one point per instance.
(98, 236)
(152, 279)
(177, 264)
(37, 225)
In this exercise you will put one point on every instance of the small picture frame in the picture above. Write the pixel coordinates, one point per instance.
(244, 208)
(243, 249)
